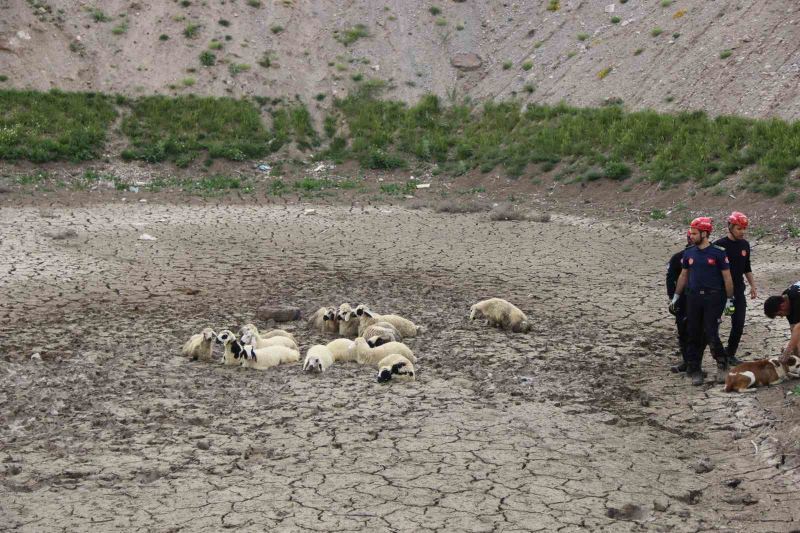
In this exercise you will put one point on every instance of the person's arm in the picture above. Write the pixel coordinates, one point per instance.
(794, 342)
(673, 271)
(752, 283)
(726, 277)
(681, 285)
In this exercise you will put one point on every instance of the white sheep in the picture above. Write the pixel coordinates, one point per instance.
(324, 320)
(318, 359)
(501, 313)
(269, 334)
(372, 356)
(199, 346)
(342, 349)
(381, 333)
(395, 366)
(367, 318)
(348, 321)
(248, 334)
(263, 358)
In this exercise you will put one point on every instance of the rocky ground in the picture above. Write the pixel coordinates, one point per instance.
(575, 426)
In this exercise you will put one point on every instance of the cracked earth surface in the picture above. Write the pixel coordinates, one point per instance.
(576, 426)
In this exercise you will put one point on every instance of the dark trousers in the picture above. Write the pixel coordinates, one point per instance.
(703, 315)
(682, 323)
(737, 323)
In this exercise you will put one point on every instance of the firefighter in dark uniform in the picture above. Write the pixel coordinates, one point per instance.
(788, 305)
(706, 274)
(679, 309)
(738, 252)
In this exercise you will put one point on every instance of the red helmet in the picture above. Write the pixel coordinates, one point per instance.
(702, 224)
(738, 219)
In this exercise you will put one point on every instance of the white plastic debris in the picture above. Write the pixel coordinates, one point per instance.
(423, 186)
(408, 197)
(133, 188)
(263, 167)
(147, 237)
(309, 211)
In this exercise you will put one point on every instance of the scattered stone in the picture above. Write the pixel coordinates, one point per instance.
(424, 186)
(466, 61)
(62, 234)
(644, 399)
(147, 237)
(278, 314)
(733, 482)
(263, 167)
(692, 496)
(203, 444)
(660, 504)
(4, 189)
(629, 511)
(36, 357)
(741, 499)
(133, 188)
(309, 211)
(610, 8)
(13, 469)
(142, 201)
(703, 466)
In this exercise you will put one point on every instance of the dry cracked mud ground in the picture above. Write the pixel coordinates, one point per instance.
(577, 426)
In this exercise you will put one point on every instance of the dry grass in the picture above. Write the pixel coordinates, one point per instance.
(508, 211)
(469, 206)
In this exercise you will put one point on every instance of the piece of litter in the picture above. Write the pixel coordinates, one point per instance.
(264, 167)
(412, 178)
(142, 201)
(408, 197)
(309, 211)
(133, 188)
(732, 196)
(424, 186)
(147, 237)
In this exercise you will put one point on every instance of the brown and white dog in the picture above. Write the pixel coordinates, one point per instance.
(759, 373)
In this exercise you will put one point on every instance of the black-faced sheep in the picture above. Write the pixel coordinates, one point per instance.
(501, 313)
(263, 358)
(324, 320)
(233, 348)
(381, 333)
(348, 321)
(372, 356)
(318, 359)
(367, 318)
(395, 366)
(199, 346)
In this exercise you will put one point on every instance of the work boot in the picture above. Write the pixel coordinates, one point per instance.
(722, 371)
(696, 376)
(677, 369)
(733, 361)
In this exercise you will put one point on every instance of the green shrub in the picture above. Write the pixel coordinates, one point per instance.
(351, 35)
(191, 31)
(725, 54)
(433, 10)
(655, 32)
(207, 59)
(53, 126)
(527, 65)
(276, 29)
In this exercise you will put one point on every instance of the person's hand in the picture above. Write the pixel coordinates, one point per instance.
(729, 307)
(673, 304)
(753, 293)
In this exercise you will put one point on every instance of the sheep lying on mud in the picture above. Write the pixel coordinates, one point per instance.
(318, 359)
(501, 313)
(248, 334)
(257, 335)
(395, 366)
(247, 356)
(367, 318)
(348, 321)
(200, 346)
(372, 356)
(381, 333)
(324, 320)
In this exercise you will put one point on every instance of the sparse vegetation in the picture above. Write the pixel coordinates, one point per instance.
(615, 20)
(3, 78)
(605, 72)
(441, 22)
(507, 65)
(191, 31)
(99, 16)
(790, 198)
(527, 65)
(553, 5)
(655, 32)
(163, 37)
(237, 68)
(120, 28)
(583, 36)
(725, 54)
(224, 22)
(276, 29)
(433, 10)
(658, 214)
(215, 45)
(254, 3)
(207, 59)
(529, 88)
(351, 35)
(357, 77)
(188, 82)
(638, 51)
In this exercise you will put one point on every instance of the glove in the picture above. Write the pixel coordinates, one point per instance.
(673, 305)
(729, 307)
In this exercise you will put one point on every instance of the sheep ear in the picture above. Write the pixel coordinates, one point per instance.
(367, 313)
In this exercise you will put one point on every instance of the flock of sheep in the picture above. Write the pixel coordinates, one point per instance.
(365, 337)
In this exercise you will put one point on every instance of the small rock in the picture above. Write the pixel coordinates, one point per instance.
(733, 482)
(424, 186)
(309, 211)
(629, 511)
(13, 469)
(660, 504)
(133, 188)
(142, 201)
(703, 465)
(62, 234)
(466, 61)
(203, 444)
(4, 189)
(278, 314)
(644, 399)
(692, 496)
(263, 167)
(147, 237)
(740, 499)
(610, 8)
(36, 357)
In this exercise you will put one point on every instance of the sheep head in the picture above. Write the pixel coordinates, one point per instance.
(208, 334)
(225, 337)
